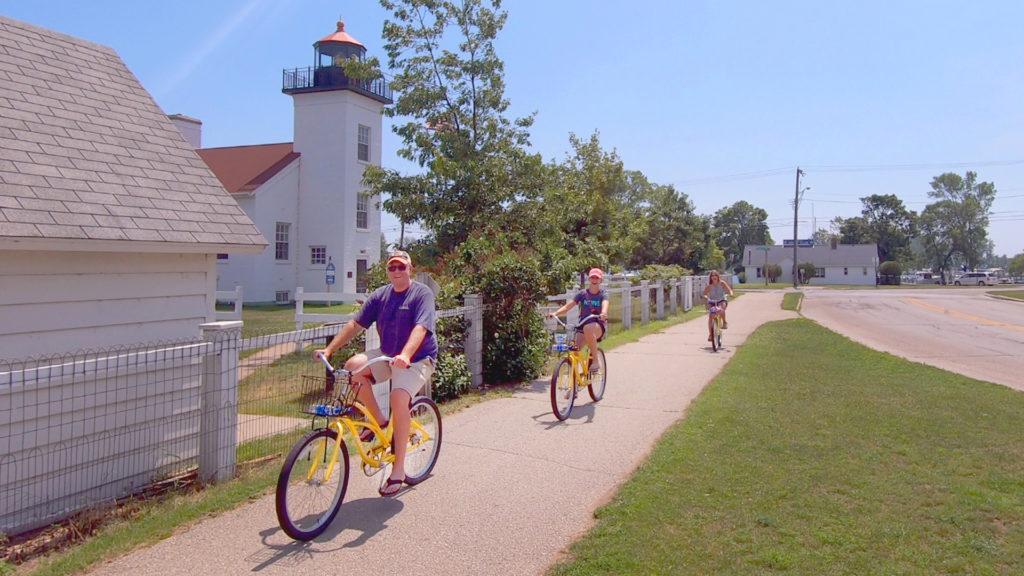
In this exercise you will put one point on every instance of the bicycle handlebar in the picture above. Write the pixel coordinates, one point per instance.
(582, 320)
(342, 372)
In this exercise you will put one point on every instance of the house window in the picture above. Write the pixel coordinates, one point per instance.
(363, 150)
(362, 211)
(281, 241)
(281, 297)
(361, 276)
(759, 272)
(845, 271)
(819, 272)
(318, 255)
(222, 256)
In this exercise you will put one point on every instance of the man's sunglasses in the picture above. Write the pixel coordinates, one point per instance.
(397, 268)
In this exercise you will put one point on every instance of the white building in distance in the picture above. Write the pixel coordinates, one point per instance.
(306, 196)
(834, 264)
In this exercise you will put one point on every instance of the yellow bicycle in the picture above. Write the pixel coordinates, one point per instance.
(313, 480)
(572, 373)
(715, 310)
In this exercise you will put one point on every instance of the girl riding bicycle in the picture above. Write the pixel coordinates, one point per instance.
(714, 293)
(593, 301)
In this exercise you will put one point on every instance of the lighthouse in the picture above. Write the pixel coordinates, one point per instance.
(337, 133)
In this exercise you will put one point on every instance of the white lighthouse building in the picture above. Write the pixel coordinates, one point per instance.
(306, 196)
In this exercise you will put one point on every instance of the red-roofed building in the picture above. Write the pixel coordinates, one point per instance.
(306, 196)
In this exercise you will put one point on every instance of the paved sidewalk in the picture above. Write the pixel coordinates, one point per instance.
(513, 486)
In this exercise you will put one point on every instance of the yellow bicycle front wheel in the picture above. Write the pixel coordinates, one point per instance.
(563, 389)
(311, 485)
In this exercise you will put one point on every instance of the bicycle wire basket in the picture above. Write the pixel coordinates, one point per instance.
(561, 342)
(326, 396)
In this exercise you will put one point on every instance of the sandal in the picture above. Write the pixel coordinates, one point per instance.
(391, 487)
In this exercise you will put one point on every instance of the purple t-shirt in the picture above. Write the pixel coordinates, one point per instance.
(396, 314)
(590, 303)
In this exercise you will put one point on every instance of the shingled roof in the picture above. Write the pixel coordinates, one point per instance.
(86, 154)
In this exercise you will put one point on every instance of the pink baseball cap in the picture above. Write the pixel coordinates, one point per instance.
(596, 272)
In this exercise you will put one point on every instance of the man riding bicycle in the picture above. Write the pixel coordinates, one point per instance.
(404, 313)
(593, 301)
(714, 293)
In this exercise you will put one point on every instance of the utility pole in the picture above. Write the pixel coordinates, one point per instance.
(401, 237)
(796, 207)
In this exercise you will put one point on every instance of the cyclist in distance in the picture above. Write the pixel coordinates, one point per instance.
(593, 301)
(714, 293)
(404, 313)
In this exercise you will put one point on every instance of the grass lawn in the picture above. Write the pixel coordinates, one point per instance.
(811, 454)
(762, 286)
(260, 319)
(792, 300)
(1015, 294)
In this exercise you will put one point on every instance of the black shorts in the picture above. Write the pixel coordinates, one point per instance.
(599, 322)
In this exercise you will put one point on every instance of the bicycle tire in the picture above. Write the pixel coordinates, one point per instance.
(307, 527)
(429, 409)
(563, 388)
(596, 390)
(715, 331)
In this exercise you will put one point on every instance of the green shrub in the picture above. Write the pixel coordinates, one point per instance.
(890, 268)
(807, 269)
(452, 377)
(515, 342)
(773, 272)
(742, 276)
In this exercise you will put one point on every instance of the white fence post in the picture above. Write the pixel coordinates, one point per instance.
(238, 302)
(298, 318)
(627, 307)
(674, 295)
(645, 302)
(218, 424)
(659, 300)
(688, 293)
(474, 345)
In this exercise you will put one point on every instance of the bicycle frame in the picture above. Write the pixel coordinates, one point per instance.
(578, 355)
(375, 457)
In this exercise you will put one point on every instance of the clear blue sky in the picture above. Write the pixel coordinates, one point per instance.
(685, 91)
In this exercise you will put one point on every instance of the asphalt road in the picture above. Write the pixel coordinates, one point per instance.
(511, 491)
(957, 329)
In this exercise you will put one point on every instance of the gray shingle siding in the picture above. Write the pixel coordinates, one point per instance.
(85, 152)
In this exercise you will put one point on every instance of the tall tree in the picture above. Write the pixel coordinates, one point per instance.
(1016, 265)
(449, 87)
(883, 221)
(960, 215)
(823, 237)
(738, 225)
(890, 225)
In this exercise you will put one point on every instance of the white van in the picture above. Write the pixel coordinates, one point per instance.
(975, 279)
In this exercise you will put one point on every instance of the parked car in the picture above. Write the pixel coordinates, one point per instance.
(975, 278)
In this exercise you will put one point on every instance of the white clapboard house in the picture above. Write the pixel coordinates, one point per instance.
(110, 224)
(833, 264)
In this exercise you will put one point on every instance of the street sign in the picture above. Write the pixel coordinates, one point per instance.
(329, 277)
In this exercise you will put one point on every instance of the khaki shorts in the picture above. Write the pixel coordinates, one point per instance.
(411, 379)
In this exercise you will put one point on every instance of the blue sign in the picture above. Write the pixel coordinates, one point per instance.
(330, 279)
(801, 243)
(330, 273)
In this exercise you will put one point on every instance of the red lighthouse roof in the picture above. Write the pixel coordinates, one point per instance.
(341, 36)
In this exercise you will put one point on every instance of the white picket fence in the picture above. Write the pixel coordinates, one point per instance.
(681, 293)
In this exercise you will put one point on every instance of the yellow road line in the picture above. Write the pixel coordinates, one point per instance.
(962, 315)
